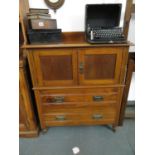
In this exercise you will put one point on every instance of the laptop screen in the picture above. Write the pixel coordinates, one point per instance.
(103, 15)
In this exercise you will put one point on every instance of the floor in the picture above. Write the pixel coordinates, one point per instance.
(91, 140)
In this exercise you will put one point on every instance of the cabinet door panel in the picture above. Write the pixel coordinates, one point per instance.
(56, 67)
(100, 65)
(98, 62)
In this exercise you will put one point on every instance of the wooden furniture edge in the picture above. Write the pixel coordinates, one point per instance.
(73, 45)
(23, 9)
(29, 134)
(74, 39)
(130, 69)
(27, 97)
(119, 107)
(79, 87)
(127, 17)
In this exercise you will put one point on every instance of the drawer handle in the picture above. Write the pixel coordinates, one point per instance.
(97, 116)
(98, 98)
(60, 118)
(58, 99)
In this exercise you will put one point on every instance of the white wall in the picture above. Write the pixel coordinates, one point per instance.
(131, 37)
(70, 17)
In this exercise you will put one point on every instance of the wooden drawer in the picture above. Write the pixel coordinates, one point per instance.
(77, 106)
(63, 99)
(80, 116)
(78, 97)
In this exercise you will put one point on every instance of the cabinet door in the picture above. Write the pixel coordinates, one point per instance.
(55, 67)
(100, 65)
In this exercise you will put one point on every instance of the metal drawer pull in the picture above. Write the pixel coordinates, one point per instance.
(98, 98)
(97, 116)
(60, 118)
(58, 99)
(81, 67)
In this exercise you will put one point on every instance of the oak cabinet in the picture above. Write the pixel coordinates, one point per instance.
(76, 83)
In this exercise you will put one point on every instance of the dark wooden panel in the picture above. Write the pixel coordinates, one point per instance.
(100, 66)
(56, 67)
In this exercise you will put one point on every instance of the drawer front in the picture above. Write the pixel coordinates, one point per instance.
(80, 116)
(60, 99)
(78, 97)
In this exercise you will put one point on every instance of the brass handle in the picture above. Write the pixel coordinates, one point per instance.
(98, 98)
(58, 99)
(97, 116)
(60, 118)
(81, 67)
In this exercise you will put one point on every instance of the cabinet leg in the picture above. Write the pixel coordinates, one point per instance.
(44, 130)
(114, 128)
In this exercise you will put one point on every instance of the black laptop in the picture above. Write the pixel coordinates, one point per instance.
(102, 23)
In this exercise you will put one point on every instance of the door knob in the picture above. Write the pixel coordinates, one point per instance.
(81, 67)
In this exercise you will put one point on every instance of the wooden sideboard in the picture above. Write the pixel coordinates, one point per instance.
(27, 120)
(76, 83)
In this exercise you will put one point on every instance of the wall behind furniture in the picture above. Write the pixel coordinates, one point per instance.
(70, 17)
(131, 37)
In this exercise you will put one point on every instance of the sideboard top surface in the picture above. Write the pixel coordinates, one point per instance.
(73, 39)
